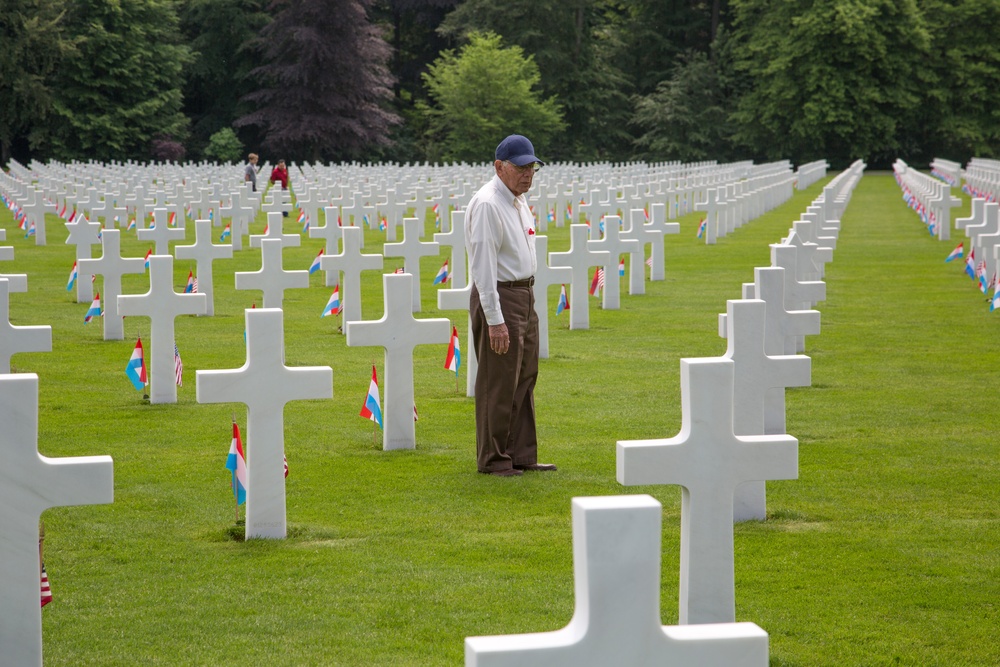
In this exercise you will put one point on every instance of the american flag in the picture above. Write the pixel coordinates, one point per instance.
(286, 466)
(46, 591)
(178, 367)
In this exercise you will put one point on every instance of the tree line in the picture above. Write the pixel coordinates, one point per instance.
(442, 80)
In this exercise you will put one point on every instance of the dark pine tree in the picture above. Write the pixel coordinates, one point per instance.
(324, 87)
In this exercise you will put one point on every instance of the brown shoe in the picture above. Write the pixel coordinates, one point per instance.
(539, 467)
(507, 472)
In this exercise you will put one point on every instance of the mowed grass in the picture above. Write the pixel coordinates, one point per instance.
(883, 552)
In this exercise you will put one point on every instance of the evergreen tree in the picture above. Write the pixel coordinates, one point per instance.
(324, 86)
(482, 94)
(219, 32)
(577, 52)
(32, 45)
(122, 88)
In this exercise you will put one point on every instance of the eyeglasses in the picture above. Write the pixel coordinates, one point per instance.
(533, 166)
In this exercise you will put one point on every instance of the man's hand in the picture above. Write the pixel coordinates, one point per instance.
(499, 338)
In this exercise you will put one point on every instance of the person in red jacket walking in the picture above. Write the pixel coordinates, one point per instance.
(280, 175)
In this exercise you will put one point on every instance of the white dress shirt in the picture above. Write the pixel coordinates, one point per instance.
(500, 237)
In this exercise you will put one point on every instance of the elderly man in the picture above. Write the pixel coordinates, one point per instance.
(500, 233)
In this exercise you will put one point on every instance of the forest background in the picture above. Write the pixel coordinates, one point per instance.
(442, 80)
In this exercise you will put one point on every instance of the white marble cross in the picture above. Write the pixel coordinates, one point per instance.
(616, 246)
(639, 231)
(657, 223)
(398, 332)
(351, 262)
(545, 276)
(272, 278)
(458, 299)
(785, 326)
(331, 232)
(30, 484)
(274, 232)
(759, 379)
(204, 252)
(711, 208)
(239, 215)
(161, 233)
(411, 249)
(161, 304)
(35, 210)
(83, 234)
(709, 461)
(112, 266)
(579, 258)
(455, 238)
(14, 339)
(616, 572)
(265, 384)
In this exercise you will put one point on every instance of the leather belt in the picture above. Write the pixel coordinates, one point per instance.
(527, 282)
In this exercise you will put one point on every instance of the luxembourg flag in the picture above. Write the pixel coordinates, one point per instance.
(333, 305)
(72, 278)
(970, 264)
(131, 225)
(981, 274)
(701, 227)
(227, 232)
(568, 213)
(94, 310)
(563, 301)
(314, 267)
(621, 267)
(237, 463)
(956, 253)
(172, 219)
(31, 230)
(437, 216)
(995, 303)
(442, 274)
(136, 368)
(371, 409)
(190, 288)
(453, 361)
(148, 254)
(382, 225)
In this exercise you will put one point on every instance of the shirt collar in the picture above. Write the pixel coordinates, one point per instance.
(503, 190)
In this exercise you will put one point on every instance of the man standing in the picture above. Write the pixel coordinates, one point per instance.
(500, 233)
(280, 175)
(250, 174)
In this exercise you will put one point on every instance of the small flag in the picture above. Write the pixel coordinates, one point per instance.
(442, 274)
(415, 416)
(178, 367)
(72, 278)
(333, 305)
(970, 264)
(956, 253)
(597, 283)
(237, 463)
(568, 214)
(226, 232)
(136, 368)
(995, 303)
(621, 267)
(131, 225)
(364, 218)
(550, 214)
(400, 270)
(649, 262)
(563, 301)
(267, 228)
(372, 409)
(190, 288)
(72, 216)
(148, 255)
(981, 275)
(172, 220)
(94, 310)
(286, 466)
(314, 267)
(383, 225)
(701, 227)
(437, 218)
(46, 591)
(453, 361)
(62, 213)
(31, 230)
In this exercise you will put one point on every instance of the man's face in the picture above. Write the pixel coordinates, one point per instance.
(517, 179)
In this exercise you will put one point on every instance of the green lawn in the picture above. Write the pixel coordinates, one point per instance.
(883, 552)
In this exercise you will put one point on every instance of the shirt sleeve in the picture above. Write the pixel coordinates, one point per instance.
(484, 236)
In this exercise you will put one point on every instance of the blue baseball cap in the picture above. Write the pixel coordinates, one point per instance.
(517, 150)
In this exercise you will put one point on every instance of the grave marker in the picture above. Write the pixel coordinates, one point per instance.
(112, 266)
(411, 249)
(579, 258)
(272, 279)
(161, 233)
(351, 262)
(204, 252)
(15, 339)
(265, 384)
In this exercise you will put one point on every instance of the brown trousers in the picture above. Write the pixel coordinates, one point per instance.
(505, 383)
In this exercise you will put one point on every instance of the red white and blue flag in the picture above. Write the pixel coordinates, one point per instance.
(563, 301)
(453, 361)
(227, 232)
(621, 267)
(956, 253)
(178, 367)
(372, 409)
(314, 267)
(970, 264)
(701, 227)
(442, 274)
(148, 255)
(46, 590)
(72, 277)
(94, 310)
(136, 368)
(597, 283)
(236, 462)
(333, 305)
(190, 287)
